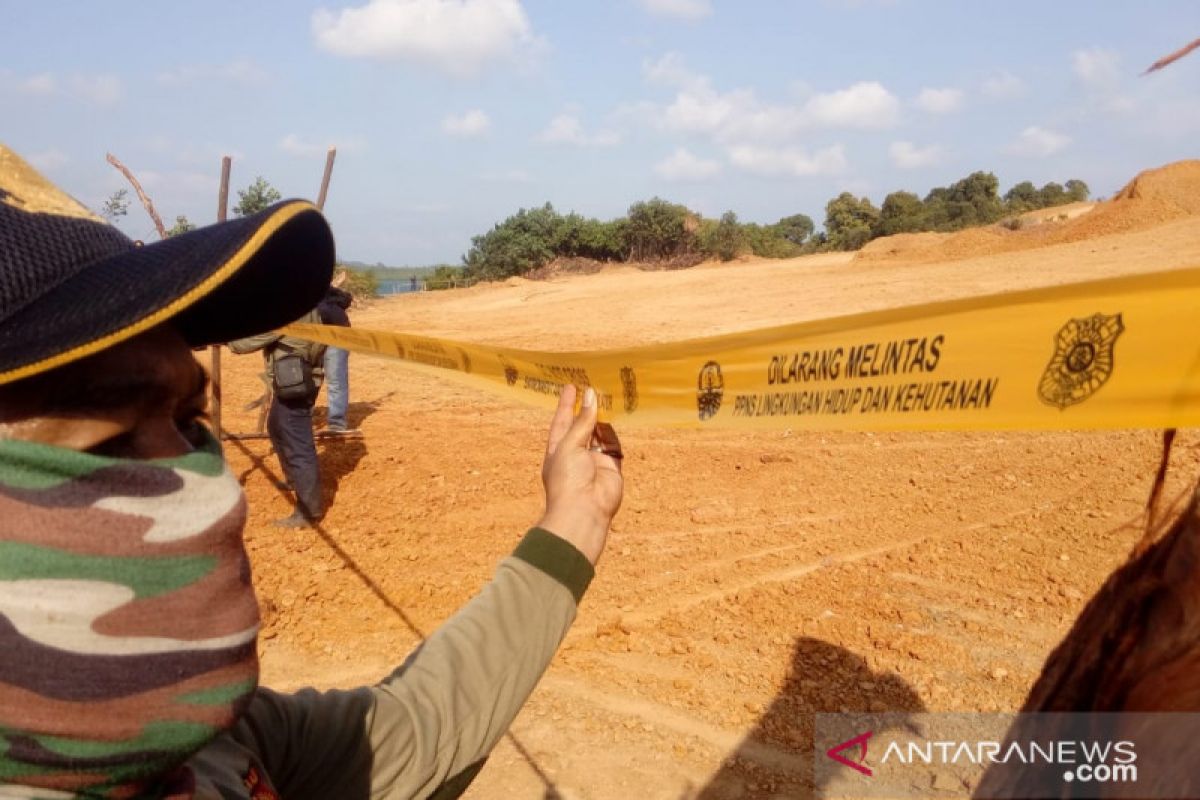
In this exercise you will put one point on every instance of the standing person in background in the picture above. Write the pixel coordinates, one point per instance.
(294, 372)
(337, 361)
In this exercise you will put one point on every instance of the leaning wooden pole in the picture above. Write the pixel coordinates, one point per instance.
(215, 350)
(1173, 57)
(137, 187)
(332, 154)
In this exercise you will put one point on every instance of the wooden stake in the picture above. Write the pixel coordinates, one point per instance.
(137, 187)
(215, 350)
(325, 178)
(223, 193)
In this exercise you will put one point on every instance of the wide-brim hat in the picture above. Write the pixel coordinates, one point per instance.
(72, 285)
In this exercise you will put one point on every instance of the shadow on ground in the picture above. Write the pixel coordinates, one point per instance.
(775, 760)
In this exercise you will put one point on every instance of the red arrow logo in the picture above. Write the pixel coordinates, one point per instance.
(835, 752)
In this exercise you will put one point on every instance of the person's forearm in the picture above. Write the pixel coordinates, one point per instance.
(252, 343)
(446, 708)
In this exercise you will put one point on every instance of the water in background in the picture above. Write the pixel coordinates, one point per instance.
(400, 286)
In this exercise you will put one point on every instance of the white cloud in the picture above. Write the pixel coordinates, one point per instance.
(295, 145)
(864, 105)
(1096, 66)
(567, 129)
(940, 101)
(670, 70)
(468, 125)
(100, 89)
(1036, 142)
(1100, 72)
(680, 9)
(48, 160)
(701, 109)
(788, 161)
(907, 155)
(456, 36)
(43, 83)
(241, 71)
(740, 116)
(682, 165)
(1004, 86)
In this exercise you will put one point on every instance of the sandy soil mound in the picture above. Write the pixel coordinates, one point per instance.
(1153, 198)
(902, 245)
(1175, 184)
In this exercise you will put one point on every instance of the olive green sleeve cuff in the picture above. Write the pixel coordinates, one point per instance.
(558, 558)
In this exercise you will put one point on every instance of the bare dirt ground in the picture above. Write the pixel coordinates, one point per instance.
(751, 579)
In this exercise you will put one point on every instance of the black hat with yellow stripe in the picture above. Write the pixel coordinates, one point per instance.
(72, 285)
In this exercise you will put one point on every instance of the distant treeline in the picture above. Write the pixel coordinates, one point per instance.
(660, 231)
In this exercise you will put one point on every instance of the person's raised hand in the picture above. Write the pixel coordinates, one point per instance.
(583, 486)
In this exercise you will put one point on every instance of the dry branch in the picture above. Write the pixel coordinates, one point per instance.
(137, 187)
(1178, 54)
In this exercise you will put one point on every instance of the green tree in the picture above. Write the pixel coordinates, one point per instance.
(936, 213)
(727, 237)
(657, 230)
(1052, 194)
(1077, 190)
(769, 241)
(360, 283)
(117, 205)
(445, 276)
(795, 228)
(901, 212)
(1022, 197)
(182, 225)
(256, 197)
(974, 200)
(849, 221)
(579, 236)
(522, 242)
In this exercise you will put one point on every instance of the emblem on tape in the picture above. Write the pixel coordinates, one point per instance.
(710, 388)
(629, 388)
(1082, 360)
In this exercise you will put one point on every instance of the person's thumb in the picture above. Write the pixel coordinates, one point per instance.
(579, 436)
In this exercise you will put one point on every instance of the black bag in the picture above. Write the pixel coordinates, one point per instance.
(294, 377)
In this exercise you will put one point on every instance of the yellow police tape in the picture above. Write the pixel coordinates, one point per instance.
(1116, 353)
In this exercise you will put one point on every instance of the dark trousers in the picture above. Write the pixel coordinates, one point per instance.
(289, 425)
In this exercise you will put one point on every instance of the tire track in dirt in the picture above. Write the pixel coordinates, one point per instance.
(572, 691)
(775, 576)
(794, 572)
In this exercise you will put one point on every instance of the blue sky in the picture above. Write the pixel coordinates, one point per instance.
(449, 115)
